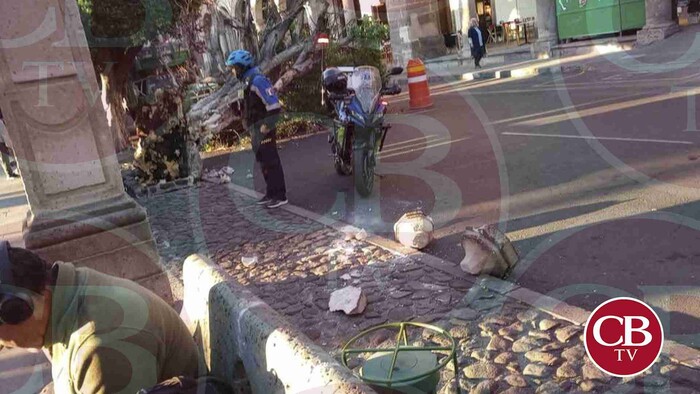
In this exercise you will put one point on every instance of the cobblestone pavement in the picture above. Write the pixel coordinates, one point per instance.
(508, 347)
(504, 345)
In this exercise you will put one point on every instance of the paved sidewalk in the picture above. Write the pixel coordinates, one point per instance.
(672, 53)
(505, 344)
(13, 210)
(21, 372)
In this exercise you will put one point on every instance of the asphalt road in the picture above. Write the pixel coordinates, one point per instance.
(593, 174)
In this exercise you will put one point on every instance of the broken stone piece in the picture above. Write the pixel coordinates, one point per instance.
(362, 235)
(351, 300)
(249, 261)
(487, 251)
(414, 229)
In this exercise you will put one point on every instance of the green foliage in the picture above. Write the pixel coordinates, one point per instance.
(227, 141)
(288, 126)
(369, 33)
(303, 95)
(298, 124)
(129, 23)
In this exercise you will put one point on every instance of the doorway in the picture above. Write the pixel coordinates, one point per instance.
(445, 17)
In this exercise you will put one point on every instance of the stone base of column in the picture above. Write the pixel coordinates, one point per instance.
(542, 48)
(651, 34)
(111, 236)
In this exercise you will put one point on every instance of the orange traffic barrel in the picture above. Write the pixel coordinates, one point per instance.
(418, 90)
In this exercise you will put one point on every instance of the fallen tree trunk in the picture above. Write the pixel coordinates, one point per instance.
(215, 112)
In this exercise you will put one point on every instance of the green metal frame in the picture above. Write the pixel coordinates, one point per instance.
(593, 18)
(402, 336)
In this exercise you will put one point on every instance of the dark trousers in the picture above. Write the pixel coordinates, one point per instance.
(478, 54)
(271, 167)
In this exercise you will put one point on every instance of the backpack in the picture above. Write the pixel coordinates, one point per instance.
(188, 385)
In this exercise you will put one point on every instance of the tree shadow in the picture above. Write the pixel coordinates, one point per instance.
(449, 248)
(652, 256)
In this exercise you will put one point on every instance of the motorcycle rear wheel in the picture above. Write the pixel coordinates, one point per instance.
(363, 173)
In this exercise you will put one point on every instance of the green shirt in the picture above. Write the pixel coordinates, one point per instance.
(110, 335)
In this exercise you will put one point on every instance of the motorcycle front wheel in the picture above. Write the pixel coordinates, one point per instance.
(363, 170)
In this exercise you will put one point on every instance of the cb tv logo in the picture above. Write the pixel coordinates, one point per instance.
(623, 337)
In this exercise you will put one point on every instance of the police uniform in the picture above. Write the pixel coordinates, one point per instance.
(261, 106)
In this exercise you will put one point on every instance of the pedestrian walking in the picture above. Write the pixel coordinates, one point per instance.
(476, 42)
(6, 153)
(260, 111)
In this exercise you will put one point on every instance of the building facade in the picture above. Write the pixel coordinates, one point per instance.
(421, 28)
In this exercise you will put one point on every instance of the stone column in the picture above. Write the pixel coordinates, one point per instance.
(350, 12)
(400, 31)
(546, 23)
(79, 211)
(659, 24)
(414, 29)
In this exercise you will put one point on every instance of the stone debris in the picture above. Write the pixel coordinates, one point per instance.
(361, 235)
(228, 170)
(296, 270)
(487, 251)
(249, 261)
(351, 300)
(414, 229)
(220, 176)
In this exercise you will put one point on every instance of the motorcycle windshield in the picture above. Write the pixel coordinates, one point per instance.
(366, 81)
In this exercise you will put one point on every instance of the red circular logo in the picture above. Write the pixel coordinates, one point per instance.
(623, 337)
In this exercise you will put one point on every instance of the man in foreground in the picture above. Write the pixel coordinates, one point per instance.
(102, 334)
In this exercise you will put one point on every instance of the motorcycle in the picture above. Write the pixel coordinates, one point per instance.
(355, 95)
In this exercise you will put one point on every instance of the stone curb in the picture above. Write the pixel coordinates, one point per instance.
(677, 352)
(519, 72)
(276, 356)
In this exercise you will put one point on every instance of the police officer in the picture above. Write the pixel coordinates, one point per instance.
(260, 112)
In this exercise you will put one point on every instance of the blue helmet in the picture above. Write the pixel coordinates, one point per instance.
(240, 58)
